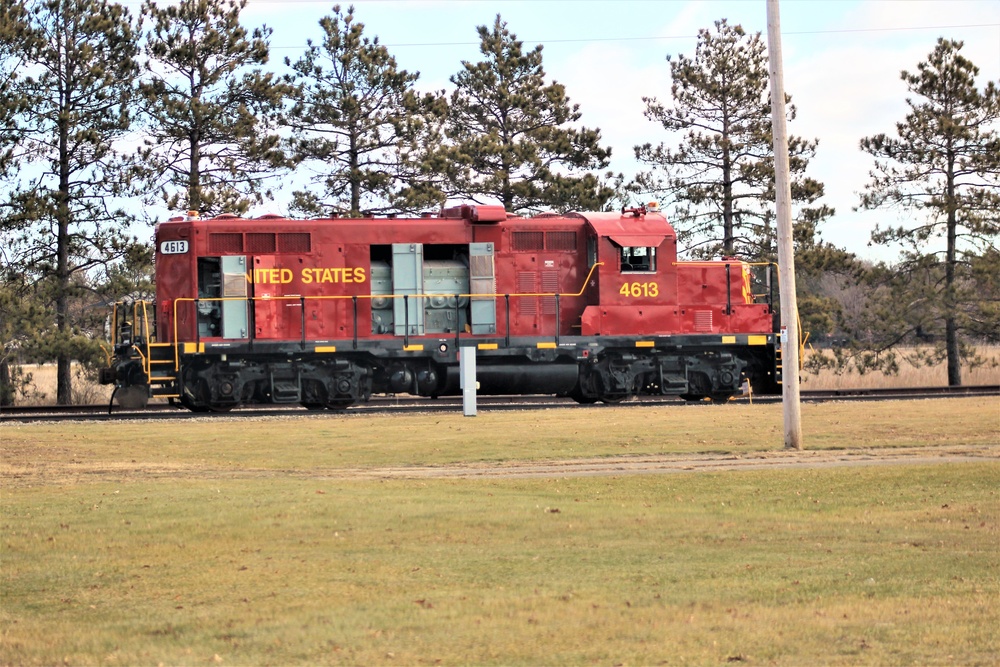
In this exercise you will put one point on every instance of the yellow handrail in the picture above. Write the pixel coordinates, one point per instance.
(342, 297)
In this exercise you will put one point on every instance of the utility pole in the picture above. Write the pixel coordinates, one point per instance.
(786, 253)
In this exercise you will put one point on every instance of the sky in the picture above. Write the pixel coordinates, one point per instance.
(842, 65)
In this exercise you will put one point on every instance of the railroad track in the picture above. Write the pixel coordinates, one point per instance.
(388, 405)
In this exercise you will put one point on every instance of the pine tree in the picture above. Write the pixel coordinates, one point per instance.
(512, 137)
(720, 180)
(943, 165)
(210, 119)
(12, 103)
(14, 35)
(357, 120)
(79, 65)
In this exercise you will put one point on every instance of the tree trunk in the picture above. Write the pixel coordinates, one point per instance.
(954, 358)
(950, 324)
(64, 379)
(728, 244)
(355, 178)
(6, 388)
(194, 176)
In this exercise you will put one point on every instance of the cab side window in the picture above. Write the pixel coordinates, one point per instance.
(638, 259)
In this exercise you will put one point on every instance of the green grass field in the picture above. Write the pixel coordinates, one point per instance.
(277, 542)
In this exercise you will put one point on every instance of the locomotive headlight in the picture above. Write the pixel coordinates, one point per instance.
(442, 348)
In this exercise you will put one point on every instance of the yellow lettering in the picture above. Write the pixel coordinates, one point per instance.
(637, 290)
(314, 275)
(286, 276)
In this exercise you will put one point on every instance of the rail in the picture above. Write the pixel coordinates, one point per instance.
(400, 403)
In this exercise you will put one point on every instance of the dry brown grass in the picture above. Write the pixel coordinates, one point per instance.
(42, 388)
(909, 375)
(223, 542)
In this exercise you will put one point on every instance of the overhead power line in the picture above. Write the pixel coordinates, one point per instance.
(669, 37)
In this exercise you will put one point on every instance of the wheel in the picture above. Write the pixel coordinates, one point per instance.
(313, 406)
(581, 398)
(340, 403)
(192, 391)
(193, 407)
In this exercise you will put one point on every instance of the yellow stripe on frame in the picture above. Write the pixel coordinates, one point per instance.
(645, 343)
(756, 340)
(546, 346)
(487, 346)
(326, 348)
(413, 348)
(729, 340)
(194, 348)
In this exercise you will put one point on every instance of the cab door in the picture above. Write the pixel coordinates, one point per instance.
(234, 297)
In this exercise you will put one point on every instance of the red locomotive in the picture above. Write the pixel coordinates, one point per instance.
(327, 312)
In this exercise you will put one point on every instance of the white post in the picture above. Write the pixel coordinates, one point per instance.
(467, 380)
(786, 254)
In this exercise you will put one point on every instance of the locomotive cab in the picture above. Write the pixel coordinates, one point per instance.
(637, 280)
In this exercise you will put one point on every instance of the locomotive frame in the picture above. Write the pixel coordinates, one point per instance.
(594, 306)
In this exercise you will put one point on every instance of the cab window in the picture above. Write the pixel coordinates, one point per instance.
(638, 259)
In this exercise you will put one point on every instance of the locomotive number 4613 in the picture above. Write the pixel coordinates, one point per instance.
(636, 290)
(174, 247)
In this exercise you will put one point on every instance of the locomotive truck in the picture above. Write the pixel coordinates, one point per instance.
(327, 312)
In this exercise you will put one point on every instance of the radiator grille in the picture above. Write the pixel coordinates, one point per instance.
(260, 242)
(527, 241)
(560, 240)
(225, 242)
(294, 242)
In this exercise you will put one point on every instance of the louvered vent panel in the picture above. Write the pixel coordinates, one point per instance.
(481, 266)
(234, 285)
(702, 320)
(225, 243)
(526, 285)
(550, 284)
(482, 288)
